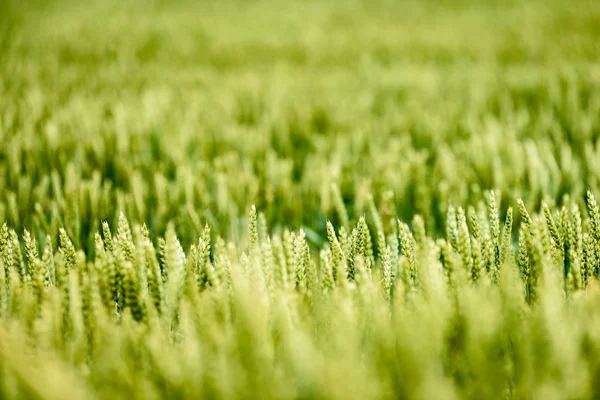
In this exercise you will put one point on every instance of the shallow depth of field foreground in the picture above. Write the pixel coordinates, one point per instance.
(270, 199)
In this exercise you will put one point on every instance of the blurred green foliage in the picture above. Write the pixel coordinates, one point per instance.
(191, 111)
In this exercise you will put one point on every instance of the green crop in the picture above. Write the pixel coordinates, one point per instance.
(305, 200)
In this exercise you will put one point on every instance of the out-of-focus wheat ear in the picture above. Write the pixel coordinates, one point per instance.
(86, 306)
(213, 277)
(155, 287)
(351, 253)
(280, 273)
(543, 239)
(365, 243)
(48, 260)
(103, 282)
(15, 297)
(31, 250)
(99, 250)
(123, 228)
(263, 227)
(447, 260)
(113, 284)
(523, 253)
(125, 239)
(132, 293)
(381, 244)
(145, 233)
(594, 221)
(540, 256)
(477, 265)
(339, 205)
(191, 267)
(300, 262)
(68, 251)
(388, 273)
(18, 260)
(361, 275)
(587, 260)
(203, 257)
(4, 242)
(572, 259)
(338, 257)
(344, 240)
(37, 279)
(3, 289)
(524, 214)
(555, 236)
(594, 213)
(576, 237)
(268, 265)
(464, 240)
(494, 219)
(7, 254)
(175, 264)
(289, 240)
(507, 251)
(162, 257)
(451, 227)
(407, 244)
(474, 222)
(222, 264)
(108, 243)
(312, 273)
(420, 232)
(327, 277)
(528, 257)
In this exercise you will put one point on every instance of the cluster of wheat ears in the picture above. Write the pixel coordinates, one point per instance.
(380, 313)
(332, 199)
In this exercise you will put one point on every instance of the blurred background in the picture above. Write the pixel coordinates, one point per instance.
(192, 111)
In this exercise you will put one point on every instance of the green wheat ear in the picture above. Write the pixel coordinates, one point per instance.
(268, 261)
(464, 240)
(125, 239)
(495, 235)
(68, 251)
(300, 262)
(3, 289)
(108, 244)
(253, 226)
(507, 250)
(31, 249)
(407, 244)
(18, 260)
(3, 240)
(451, 227)
(555, 235)
(365, 244)
(381, 244)
(588, 259)
(338, 257)
(203, 258)
(524, 214)
(48, 262)
(388, 273)
(327, 275)
(132, 293)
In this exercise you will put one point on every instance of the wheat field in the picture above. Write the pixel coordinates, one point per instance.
(337, 199)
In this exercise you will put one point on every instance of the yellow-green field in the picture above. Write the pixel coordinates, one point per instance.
(299, 199)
